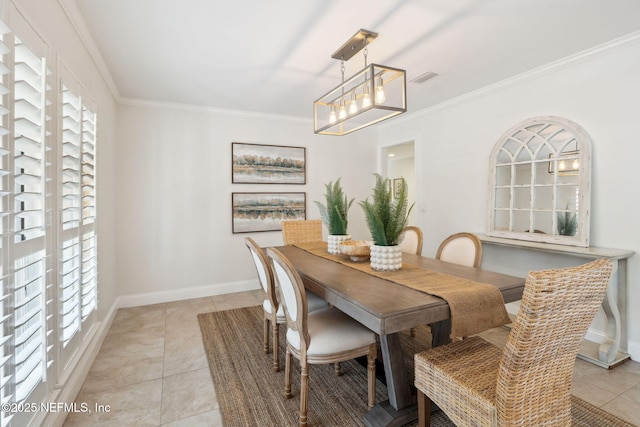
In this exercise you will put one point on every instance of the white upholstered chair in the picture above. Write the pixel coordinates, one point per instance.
(299, 231)
(318, 337)
(272, 310)
(461, 248)
(411, 243)
(528, 383)
(411, 240)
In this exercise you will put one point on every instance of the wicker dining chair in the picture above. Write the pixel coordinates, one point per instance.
(529, 382)
(272, 310)
(461, 248)
(411, 240)
(318, 337)
(299, 231)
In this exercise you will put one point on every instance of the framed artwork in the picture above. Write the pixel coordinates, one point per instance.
(397, 185)
(253, 212)
(267, 164)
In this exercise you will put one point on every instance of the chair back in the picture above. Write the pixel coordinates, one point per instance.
(411, 240)
(294, 297)
(300, 231)
(534, 377)
(461, 248)
(265, 275)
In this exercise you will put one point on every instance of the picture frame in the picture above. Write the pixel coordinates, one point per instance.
(397, 185)
(256, 212)
(267, 164)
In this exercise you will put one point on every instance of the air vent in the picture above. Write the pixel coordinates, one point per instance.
(424, 77)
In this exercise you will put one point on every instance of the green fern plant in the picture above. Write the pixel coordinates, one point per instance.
(334, 212)
(385, 216)
(567, 223)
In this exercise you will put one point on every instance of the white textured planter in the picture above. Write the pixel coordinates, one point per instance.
(333, 242)
(386, 258)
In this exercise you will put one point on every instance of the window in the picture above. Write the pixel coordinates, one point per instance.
(48, 262)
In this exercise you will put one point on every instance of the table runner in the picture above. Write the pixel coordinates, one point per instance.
(474, 306)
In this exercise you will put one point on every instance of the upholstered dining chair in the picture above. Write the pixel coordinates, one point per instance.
(527, 383)
(272, 310)
(411, 243)
(461, 248)
(299, 231)
(318, 337)
(411, 240)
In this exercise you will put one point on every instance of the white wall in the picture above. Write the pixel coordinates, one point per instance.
(174, 192)
(600, 92)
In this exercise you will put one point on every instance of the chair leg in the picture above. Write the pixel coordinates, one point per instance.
(287, 375)
(276, 350)
(412, 332)
(304, 389)
(265, 339)
(424, 410)
(371, 368)
(337, 368)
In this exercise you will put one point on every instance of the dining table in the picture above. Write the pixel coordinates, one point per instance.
(388, 308)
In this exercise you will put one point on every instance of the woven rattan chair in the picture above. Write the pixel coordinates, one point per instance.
(411, 240)
(461, 248)
(319, 337)
(529, 382)
(299, 231)
(272, 310)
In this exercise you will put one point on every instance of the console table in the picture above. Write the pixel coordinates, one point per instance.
(612, 351)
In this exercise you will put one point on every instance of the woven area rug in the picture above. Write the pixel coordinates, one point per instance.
(250, 394)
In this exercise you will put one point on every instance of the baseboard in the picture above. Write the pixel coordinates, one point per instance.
(136, 300)
(72, 386)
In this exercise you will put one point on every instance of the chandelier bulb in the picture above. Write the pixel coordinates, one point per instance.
(380, 98)
(332, 115)
(343, 111)
(353, 104)
(366, 97)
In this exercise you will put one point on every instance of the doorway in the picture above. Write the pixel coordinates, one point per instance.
(399, 161)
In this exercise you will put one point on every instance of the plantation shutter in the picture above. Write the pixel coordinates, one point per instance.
(26, 301)
(89, 243)
(70, 292)
(7, 388)
(77, 256)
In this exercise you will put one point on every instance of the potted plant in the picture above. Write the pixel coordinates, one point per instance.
(334, 215)
(386, 217)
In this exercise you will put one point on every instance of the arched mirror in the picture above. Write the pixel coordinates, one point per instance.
(540, 183)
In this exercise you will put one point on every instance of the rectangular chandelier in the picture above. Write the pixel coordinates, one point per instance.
(373, 94)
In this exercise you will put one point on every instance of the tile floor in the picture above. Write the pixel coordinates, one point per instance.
(152, 370)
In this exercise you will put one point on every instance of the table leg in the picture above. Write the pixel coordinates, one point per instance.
(440, 333)
(401, 407)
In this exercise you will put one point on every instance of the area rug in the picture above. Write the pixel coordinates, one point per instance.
(250, 394)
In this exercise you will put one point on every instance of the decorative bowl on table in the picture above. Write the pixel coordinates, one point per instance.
(357, 250)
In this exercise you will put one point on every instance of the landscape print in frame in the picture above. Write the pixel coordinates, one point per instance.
(267, 164)
(265, 211)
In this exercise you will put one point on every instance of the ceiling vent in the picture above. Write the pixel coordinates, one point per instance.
(424, 77)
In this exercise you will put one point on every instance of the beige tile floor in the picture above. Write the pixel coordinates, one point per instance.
(152, 370)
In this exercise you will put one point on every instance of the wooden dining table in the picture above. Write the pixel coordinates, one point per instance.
(388, 308)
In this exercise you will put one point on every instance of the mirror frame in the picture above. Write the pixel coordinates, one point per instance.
(530, 138)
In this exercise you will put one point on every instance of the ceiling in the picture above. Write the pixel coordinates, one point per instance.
(275, 56)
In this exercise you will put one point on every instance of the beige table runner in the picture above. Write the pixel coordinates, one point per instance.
(475, 307)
